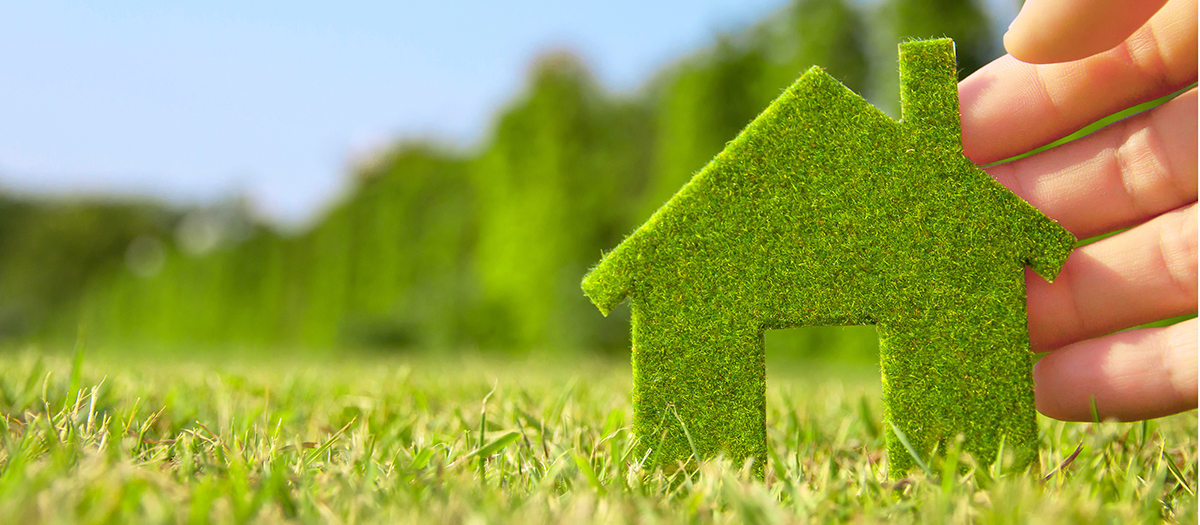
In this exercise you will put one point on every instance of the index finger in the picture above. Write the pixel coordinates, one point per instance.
(1009, 107)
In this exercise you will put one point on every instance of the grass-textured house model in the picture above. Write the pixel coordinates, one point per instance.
(825, 211)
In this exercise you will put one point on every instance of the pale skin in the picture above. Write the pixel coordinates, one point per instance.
(1071, 63)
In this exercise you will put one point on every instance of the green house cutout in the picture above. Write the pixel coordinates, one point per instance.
(825, 211)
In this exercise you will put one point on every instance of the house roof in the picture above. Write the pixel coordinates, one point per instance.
(824, 185)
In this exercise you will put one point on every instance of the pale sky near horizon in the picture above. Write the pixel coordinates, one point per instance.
(273, 100)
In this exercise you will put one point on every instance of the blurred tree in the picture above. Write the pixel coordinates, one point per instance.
(826, 33)
(438, 249)
(410, 280)
(49, 249)
(388, 266)
(706, 100)
(554, 190)
(702, 104)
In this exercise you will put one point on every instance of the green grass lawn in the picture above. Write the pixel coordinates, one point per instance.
(361, 439)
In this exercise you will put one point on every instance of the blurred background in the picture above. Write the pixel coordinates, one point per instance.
(388, 177)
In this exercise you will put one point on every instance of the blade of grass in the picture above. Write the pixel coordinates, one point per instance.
(1178, 475)
(77, 364)
(998, 464)
(590, 473)
(492, 447)
(1064, 464)
(328, 442)
(686, 434)
(909, 448)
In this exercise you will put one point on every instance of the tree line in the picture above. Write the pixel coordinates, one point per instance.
(442, 248)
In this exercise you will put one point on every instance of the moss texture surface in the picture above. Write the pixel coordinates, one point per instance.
(824, 211)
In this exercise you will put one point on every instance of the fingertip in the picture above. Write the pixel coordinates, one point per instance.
(1183, 364)
(1024, 39)
(1128, 376)
(1051, 31)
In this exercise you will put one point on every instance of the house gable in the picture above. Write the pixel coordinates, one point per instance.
(792, 136)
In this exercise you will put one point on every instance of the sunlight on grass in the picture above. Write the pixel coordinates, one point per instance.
(373, 439)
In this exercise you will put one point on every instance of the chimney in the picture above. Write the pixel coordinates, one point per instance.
(929, 90)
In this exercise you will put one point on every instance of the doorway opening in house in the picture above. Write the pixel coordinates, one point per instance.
(823, 383)
(821, 346)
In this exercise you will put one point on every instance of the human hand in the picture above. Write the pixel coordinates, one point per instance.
(1139, 173)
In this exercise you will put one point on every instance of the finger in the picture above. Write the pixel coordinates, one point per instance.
(1134, 375)
(1142, 275)
(1048, 31)
(1009, 107)
(1122, 175)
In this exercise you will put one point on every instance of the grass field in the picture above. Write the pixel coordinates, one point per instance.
(361, 439)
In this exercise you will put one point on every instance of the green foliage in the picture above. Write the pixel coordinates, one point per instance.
(711, 96)
(705, 101)
(483, 249)
(439, 248)
(50, 249)
(552, 188)
(831, 34)
(411, 281)
(387, 266)
(825, 211)
(817, 344)
(429, 441)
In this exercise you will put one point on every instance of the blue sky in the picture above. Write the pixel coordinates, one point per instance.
(274, 100)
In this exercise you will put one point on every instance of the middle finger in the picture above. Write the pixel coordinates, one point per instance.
(1122, 175)
(1145, 274)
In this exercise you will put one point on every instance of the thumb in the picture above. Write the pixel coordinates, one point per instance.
(1047, 31)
